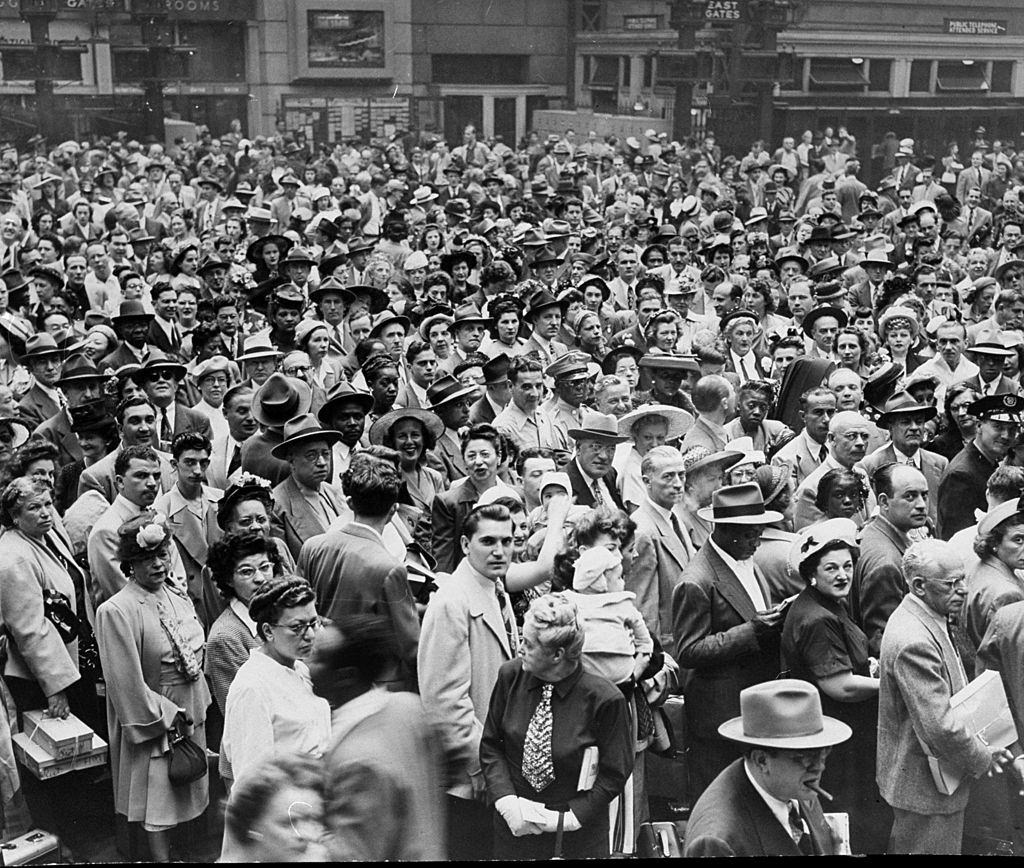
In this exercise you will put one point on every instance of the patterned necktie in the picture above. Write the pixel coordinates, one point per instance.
(507, 617)
(822, 453)
(598, 498)
(165, 426)
(538, 766)
(801, 837)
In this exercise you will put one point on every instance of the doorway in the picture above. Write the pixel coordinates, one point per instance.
(459, 112)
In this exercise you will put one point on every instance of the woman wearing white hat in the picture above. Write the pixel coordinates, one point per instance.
(648, 426)
(821, 644)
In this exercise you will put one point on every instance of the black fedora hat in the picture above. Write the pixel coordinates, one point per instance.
(824, 310)
(79, 368)
(343, 393)
(375, 299)
(92, 416)
(303, 429)
(328, 286)
(539, 301)
(446, 389)
(279, 399)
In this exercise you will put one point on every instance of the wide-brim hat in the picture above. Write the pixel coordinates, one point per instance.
(496, 369)
(253, 251)
(279, 399)
(899, 312)
(812, 540)
(877, 257)
(991, 348)
(360, 245)
(304, 428)
(431, 319)
(667, 362)
(790, 254)
(598, 426)
(824, 310)
(258, 346)
(342, 393)
(92, 416)
(785, 713)
(446, 389)
(739, 504)
(213, 182)
(540, 301)
(375, 298)
(177, 370)
(904, 404)
(998, 514)
(881, 385)
(79, 368)
(431, 422)
(468, 314)
(297, 255)
(450, 260)
(612, 358)
(328, 264)
(824, 267)
(39, 346)
(599, 282)
(1009, 265)
(387, 319)
(679, 421)
(545, 256)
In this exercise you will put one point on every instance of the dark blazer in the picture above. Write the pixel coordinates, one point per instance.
(120, 357)
(447, 514)
(933, 466)
(481, 412)
(57, 429)
(962, 490)
(297, 517)
(715, 636)
(449, 457)
(256, 457)
(878, 581)
(187, 420)
(36, 406)
(158, 338)
(583, 494)
(1006, 386)
(353, 573)
(731, 819)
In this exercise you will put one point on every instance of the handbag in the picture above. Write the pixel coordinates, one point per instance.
(187, 762)
(57, 610)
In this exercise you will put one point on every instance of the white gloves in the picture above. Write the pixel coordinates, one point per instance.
(511, 812)
(525, 817)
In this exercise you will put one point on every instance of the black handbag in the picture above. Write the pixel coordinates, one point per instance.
(57, 610)
(187, 762)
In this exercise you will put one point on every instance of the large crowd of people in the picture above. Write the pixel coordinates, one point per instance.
(417, 486)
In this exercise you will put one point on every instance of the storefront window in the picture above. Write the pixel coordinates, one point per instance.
(220, 49)
(345, 39)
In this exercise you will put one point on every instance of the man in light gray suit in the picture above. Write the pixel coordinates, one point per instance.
(905, 418)
(663, 547)
(920, 671)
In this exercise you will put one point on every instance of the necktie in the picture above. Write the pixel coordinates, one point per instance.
(598, 498)
(822, 453)
(678, 528)
(538, 766)
(744, 372)
(165, 426)
(175, 336)
(801, 837)
(507, 617)
(236, 458)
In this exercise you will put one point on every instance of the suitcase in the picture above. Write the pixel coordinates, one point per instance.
(33, 848)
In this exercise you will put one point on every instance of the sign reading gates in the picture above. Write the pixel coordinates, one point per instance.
(975, 27)
(725, 10)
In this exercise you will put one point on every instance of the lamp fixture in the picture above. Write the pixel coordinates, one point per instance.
(857, 60)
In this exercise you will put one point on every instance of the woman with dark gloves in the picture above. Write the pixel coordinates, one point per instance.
(545, 713)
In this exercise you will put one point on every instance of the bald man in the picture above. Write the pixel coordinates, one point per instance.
(847, 444)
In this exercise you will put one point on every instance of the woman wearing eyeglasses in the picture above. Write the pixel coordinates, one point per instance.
(271, 707)
(151, 647)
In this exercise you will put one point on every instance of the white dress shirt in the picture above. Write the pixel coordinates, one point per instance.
(744, 571)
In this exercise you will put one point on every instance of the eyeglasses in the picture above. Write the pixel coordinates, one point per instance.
(248, 572)
(951, 583)
(302, 627)
(155, 376)
(297, 370)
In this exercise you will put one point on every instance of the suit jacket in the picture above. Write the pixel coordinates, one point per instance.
(256, 457)
(227, 648)
(583, 494)
(296, 515)
(354, 573)
(36, 406)
(558, 349)
(701, 434)
(878, 581)
(407, 398)
(36, 651)
(806, 512)
(221, 452)
(970, 177)
(121, 357)
(715, 637)
(462, 646)
(990, 587)
(659, 559)
(449, 454)
(920, 671)
(962, 490)
(1006, 386)
(1000, 650)
(100, 476)
(447, 514)
(481, 412)
(732, 819)
(187, 420)
(772, 556)
(933, 466)
(57, 429)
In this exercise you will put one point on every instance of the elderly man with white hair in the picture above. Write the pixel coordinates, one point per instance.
(847, 443)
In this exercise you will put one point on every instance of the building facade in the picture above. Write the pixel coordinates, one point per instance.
(929, 70)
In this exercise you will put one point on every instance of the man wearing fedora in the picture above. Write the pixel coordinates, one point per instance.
(80, 383)
(468, 330)
(877, 266)
(497, 391)
(159, 379)
(305, 502)
(451, 401)
(132, 326)
(920, 672)
(44, 400)
(545, 316)
(258, 359)
(989, 356)
(345, 411)
(593, 478)
(279, 399)
(724, 628)
(766, 803)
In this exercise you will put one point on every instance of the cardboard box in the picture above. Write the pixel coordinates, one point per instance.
(33, 848)
(44, 766)
(59, 738)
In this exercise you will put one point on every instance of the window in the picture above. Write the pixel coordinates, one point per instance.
(22, 64)
(345, 39)
(590, 15)
(920, 76)
(625, 70)
(220, 49)
(879, 75)
(604, 71)
(479, 68)
(956, 77)
(1002, 75)
(837, 74)
(648, 71)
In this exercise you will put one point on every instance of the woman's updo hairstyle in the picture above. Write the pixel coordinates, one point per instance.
(272, 598)
(557, 621)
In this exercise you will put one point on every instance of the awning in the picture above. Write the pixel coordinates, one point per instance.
(844, 73)
(959, 78)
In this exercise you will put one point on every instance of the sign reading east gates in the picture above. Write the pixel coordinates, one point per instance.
(725, 10)
(975, 27)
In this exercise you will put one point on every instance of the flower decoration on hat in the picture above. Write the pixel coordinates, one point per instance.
(152, 535)
(248, 478)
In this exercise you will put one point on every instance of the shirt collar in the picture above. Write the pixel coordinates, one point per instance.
(242, 613)
(561, 688)
(927, 611)
(733, 564)
(779, 808)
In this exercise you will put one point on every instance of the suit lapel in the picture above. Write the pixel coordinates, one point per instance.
(480, 607)
(669, 540)
(772, 838)
(729, 586)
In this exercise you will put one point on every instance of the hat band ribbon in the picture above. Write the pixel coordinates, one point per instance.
(736, 511)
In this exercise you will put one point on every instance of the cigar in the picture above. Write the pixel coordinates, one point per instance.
(825, 794)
